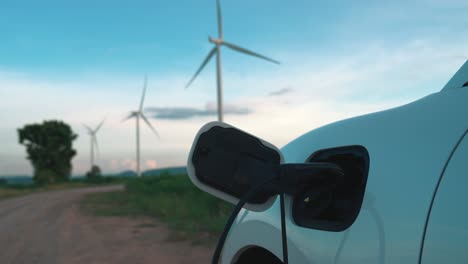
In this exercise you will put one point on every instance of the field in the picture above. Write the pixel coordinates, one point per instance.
(173, 199)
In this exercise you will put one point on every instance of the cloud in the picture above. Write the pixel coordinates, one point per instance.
(151, 164)
(210, 109)
(128, 163)
(281, 92)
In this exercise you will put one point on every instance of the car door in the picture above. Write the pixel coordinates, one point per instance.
(447, 227)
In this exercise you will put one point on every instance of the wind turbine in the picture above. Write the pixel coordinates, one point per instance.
(92, 133)
(137, 114)
(217, 50)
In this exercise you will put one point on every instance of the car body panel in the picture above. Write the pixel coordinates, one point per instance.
(408, 147)
(459, 79)
(447, 231)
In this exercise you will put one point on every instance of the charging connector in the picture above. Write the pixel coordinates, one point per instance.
(286, 179)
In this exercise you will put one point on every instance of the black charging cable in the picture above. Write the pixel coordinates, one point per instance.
(284, 237)
(232, 217)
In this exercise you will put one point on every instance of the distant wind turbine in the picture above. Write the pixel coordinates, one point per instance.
(137, 115)
(217, 50)
(92, 133)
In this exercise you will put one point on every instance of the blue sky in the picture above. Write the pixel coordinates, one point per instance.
(82, 60)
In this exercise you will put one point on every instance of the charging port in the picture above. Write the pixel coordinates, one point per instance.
(334, 207)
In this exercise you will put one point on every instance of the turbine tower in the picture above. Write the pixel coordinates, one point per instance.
(217, 50)
(137, 114)
(92, 133)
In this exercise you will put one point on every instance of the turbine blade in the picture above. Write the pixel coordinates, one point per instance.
(88, 128)
(130, 115)
(99, 126)
(248, 52)
(220, 20)
(207, 59)
(149, 124)
(144, 92)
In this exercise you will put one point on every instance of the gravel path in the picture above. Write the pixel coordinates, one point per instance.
(49, 228)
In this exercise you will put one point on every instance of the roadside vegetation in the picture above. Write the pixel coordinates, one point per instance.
(8, 190)
(173, 199)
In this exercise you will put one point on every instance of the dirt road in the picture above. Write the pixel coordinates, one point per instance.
(49, 228)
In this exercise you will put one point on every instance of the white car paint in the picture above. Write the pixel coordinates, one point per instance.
(409, 147)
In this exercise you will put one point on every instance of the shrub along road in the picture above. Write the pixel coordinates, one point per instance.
(49, 227)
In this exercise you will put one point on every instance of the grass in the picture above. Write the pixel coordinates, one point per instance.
(189, 212)
(15, 190)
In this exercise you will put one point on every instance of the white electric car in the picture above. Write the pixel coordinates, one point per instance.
(403, 198)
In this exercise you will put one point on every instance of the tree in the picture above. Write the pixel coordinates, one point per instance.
(94, 173)
(50, 150)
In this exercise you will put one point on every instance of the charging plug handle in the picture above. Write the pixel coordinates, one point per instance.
(293, 177)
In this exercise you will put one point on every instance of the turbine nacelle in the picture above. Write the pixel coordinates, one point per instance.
(215, 40)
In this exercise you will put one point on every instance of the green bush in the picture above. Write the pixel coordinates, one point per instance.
(3, 182)
(94, 173)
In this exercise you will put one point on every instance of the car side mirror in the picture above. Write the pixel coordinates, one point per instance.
(227, 162)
